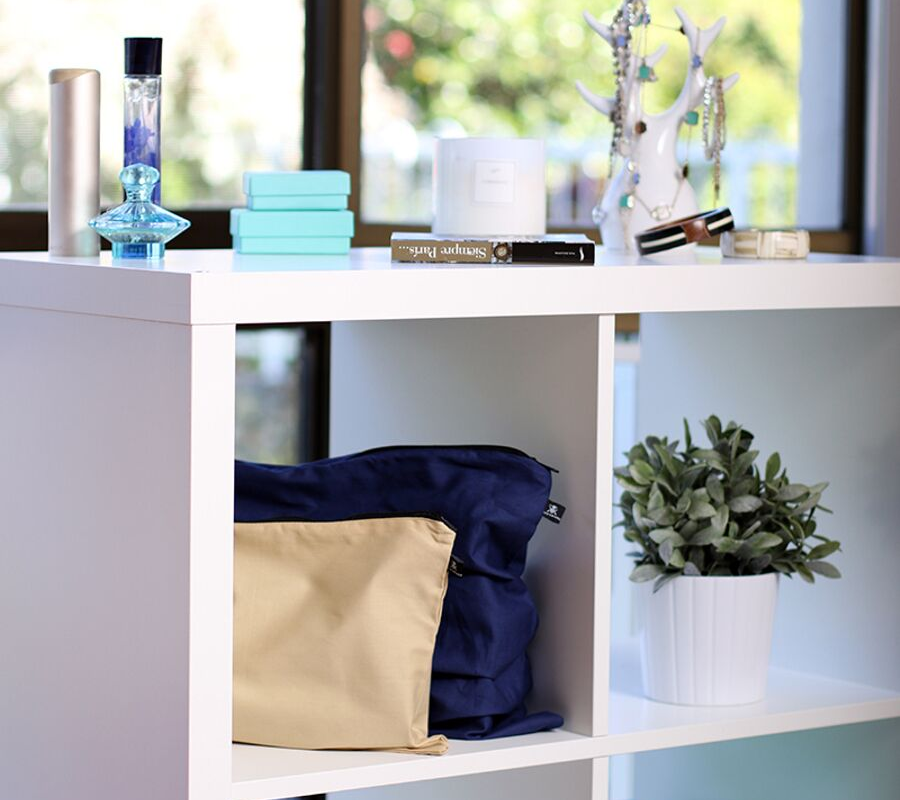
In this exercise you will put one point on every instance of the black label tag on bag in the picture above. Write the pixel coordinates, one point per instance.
(456, 566)
(554, 511)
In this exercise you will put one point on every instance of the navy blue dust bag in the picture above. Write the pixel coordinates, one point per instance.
(494, 497)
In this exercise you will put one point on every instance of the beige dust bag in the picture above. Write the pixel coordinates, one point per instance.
(334, 630)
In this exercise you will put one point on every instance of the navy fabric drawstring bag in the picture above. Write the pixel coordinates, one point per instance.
(494, 498)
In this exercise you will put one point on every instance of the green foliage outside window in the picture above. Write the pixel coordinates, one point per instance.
(507, 67)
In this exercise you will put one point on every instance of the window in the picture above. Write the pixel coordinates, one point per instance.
(280, 402)
(232, 90)
(474, 67)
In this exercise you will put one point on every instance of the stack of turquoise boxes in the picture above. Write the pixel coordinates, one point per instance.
(302, 213)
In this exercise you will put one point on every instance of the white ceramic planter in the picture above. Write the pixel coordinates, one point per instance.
(706, 641)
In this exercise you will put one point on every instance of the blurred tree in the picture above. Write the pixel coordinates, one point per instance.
(510, 66)
(23, 153)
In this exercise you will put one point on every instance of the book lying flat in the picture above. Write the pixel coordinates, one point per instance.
(559, 248)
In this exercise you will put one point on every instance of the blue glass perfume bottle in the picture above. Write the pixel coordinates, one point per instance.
(143, 84)
(139, 228)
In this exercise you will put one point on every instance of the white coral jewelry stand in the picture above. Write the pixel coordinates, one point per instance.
(664, 192)
(117, 407)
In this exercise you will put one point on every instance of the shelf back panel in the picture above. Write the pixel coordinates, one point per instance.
(534, 384)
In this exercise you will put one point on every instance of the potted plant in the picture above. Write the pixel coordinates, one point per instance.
(713, 535)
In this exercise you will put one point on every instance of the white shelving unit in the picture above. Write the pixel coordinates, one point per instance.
(117, 404)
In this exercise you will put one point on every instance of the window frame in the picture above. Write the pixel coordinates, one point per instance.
(335, 47)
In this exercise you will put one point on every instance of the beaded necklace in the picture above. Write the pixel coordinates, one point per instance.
(636, 13)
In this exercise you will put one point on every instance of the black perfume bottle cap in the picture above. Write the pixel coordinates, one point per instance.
(143, 56)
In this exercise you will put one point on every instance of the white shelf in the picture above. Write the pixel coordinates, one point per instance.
(265, 773)
(220, 286)
(795, 701)
(138, 415)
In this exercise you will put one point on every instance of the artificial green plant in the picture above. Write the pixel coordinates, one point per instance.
(710, 511)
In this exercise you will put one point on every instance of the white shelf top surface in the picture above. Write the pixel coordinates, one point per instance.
(794, 702)
(220, 286)
(265, 773)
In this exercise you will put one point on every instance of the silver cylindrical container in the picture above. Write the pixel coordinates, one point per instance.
(74, 161)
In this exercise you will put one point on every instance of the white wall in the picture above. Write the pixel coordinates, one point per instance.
(823, 388)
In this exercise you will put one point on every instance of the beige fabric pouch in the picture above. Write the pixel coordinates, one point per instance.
(334, 631)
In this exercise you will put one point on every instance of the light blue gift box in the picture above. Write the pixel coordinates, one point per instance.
(292, 245)
(312, 181)
(245, 222)
(297, 202)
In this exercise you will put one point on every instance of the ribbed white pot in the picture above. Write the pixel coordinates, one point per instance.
(706, 640)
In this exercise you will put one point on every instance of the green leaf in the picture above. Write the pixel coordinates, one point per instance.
(701, 510)
(711, 457)
(720, 521)
(772, 467)
(653, 456)
(662, 580)
(666, 549)
(690, 568)
(743, 462)
(744, 504)
(638, 511)
(629, 485)
(724, 544)
(663, 481)
(662, 516)
(715, 490)
(642, 472)
(793, 491)
(645, 572)
(687, 433)
(747, 531)
(808, 504)
(735, 443)
(763, 541)
(674, 467)
(689, 477)
(700, 494)
(677, 559)
(744, 486)
(804, 572)
(713, 427)
(705, 536)
(637, 452)
(656, 499)
(684, 502)
(824, 568)
(824, 550)
(662, 534)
